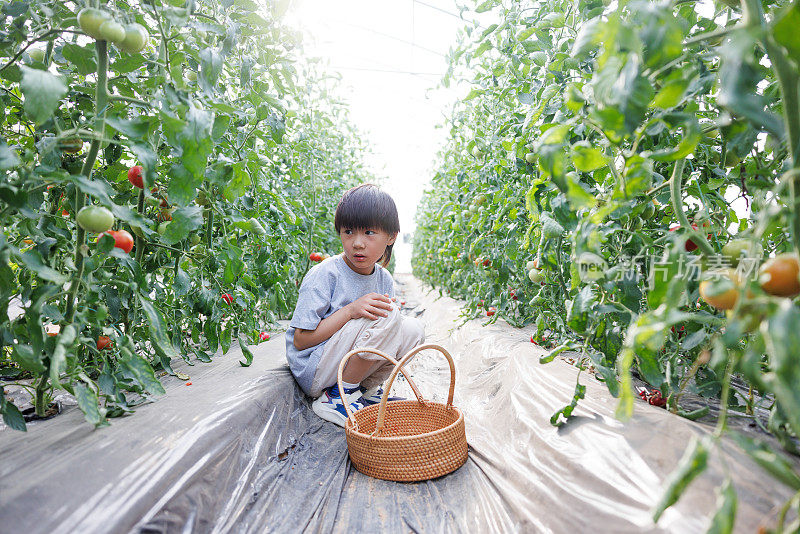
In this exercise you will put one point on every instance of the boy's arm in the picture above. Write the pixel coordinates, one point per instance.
(369, 306)
(304, 339)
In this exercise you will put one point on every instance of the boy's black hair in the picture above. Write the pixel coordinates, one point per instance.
(366, 206)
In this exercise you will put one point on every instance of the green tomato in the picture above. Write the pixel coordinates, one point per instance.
(191, 75)
(530, 157)
(36, 55)
(535, 276)
(113, 31)
(530, 266)
(636, 224)
(135, 40)
(735, 249)
(95, 219)
(163, 227)
(731, 160)
(479, 200)
(90, 20)
(195, 239)
(477, 152)
(649, 211)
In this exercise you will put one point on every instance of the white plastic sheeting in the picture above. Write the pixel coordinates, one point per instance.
(239, 450)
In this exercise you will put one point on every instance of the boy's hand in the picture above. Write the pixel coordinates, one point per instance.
(371, 306)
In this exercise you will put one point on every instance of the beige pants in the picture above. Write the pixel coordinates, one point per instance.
(394, 335)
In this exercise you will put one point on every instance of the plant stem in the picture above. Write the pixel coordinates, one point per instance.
(40, 399)
(676, 187)
(101, 101)
(209, 228)
(140, 239)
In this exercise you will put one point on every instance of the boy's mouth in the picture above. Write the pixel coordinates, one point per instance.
(359, 256)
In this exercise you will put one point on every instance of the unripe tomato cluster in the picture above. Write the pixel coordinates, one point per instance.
(100, 24)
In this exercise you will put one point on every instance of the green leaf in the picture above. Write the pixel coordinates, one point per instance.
(196, 141)
(143, 373)
(566, 411)
(238, 183)
(587, 39)
(184, 221)
(183, 185)
(621, 86)
(210, 68)
(785, 33)
(738, 74)
(13, 417)
(82, 57)
(87, 402)
(58, 361)
(42, 92)
(487, 6)
(158, 336)
(671, 94)
(248, 354)
(587, 158)
(8, 157)
(724, 517)
(33, 261)
(782, 336)
(693, 463)
(769, 460)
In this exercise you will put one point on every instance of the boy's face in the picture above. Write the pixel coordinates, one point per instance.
(363, 247)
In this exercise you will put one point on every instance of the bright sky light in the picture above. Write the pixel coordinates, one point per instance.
(391, 56)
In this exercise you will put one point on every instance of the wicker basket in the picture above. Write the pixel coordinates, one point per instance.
(406, 440)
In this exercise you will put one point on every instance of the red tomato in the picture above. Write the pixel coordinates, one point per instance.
(490, 311)
(135, 176)
(188, 383)
(315, 256)
(263, 336)
(227, 298)
(103, 342)
(64, 213)
(487, 262)
(689, 245)
(122, 239)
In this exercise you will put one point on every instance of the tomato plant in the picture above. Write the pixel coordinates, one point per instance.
(610, 141)
(249, 157)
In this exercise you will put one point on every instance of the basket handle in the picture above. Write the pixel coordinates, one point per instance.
(384, 356)
(398, 368)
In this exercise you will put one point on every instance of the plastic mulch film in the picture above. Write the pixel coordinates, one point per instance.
(241, 451)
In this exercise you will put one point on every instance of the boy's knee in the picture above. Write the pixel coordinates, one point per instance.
(413, 329)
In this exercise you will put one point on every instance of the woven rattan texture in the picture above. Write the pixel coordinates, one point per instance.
(418, 441)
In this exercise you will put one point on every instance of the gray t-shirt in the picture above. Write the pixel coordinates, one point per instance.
(326, 288)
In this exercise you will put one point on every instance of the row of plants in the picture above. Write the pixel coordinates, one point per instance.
(166, 171)
(587, 189)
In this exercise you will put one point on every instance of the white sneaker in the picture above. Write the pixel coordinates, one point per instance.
(374, 396)
(330, 407)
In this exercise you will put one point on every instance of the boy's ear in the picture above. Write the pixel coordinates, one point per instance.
(393, 239)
